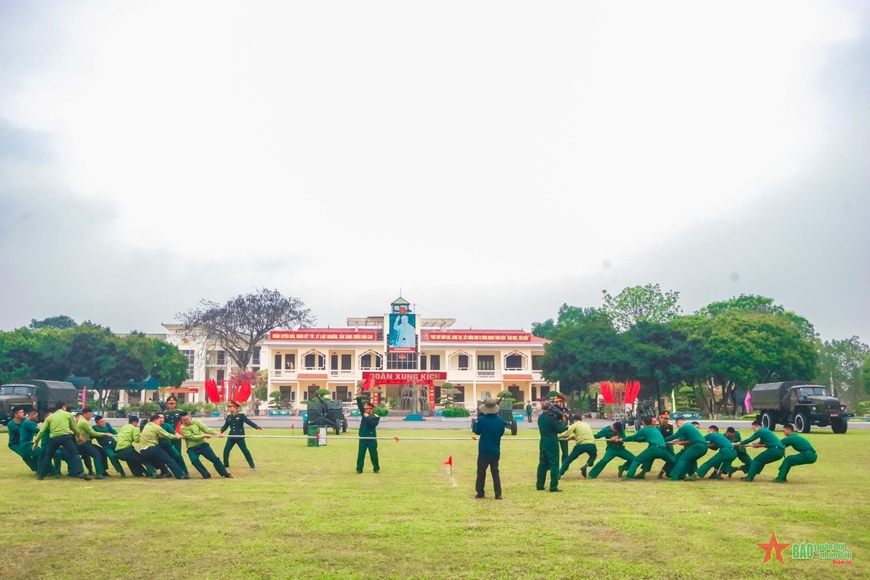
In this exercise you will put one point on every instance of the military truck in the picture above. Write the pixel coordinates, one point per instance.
(34, 394)
(800, 403)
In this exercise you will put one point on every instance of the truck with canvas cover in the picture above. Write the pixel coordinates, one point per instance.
(800, 403)
(35, 394)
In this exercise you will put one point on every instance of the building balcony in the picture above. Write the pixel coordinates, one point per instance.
(342, 374)
(283, 373)
(489, 374)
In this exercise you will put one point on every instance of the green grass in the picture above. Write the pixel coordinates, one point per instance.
(305, 513)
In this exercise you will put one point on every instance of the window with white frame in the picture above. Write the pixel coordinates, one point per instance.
(191, 361)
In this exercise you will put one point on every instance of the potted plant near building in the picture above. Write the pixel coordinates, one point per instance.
(452, 411)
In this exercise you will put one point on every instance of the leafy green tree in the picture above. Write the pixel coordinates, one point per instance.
(60, 322)
(584, 351)
(568, 316)
(660, 356)
(641, 304)
(865, 376)
(761, 305)
(840, 365)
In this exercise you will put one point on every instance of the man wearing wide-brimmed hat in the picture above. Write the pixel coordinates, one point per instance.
(490, 428)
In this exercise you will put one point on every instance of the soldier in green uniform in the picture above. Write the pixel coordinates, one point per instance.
(695, 448)
(59, 455)
(667, 430)
(529, 411)
(612, 450)
(774, 451)
(171, 418)
(558, 401)
(584, 442)
(60, 427)
(195, 435)
(725, 454)
(124, 450)
(734, 437)
(368, 427)
(29, 429)
(805, 453)
(549, 428)
(236, 424)
(168, 446)
(85, 433)
(14, 427)
(151, 451)
(108, 445)
(656, 448)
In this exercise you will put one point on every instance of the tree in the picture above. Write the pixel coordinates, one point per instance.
(94, 352)
(583, 352)
(641, 304)
(240, 324)
(865, 376)
(60, 322)
(568, 316)
(660, 356)
(761, 305)
(840, 365)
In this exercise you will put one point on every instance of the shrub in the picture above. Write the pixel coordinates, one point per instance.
(381, 411)
(451, 412)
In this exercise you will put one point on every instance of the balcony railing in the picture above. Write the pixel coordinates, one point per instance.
(310, 369)
(514, 370)
(342, 373)
(378, 368)
(283, 373)
(488, 374)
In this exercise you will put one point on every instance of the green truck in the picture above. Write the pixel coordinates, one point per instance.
(35, 394)
(800, 403)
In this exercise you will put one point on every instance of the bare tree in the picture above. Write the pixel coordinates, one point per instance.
(244, 321)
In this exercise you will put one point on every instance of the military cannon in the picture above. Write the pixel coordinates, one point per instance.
(506, 410)
(325, 413)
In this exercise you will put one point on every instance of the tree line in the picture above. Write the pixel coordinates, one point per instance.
(57, 348)
(716, 354)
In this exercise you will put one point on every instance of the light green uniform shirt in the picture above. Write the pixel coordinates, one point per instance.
(152, 434)
(128, 435)
(85, 431)
(581, 431)
(194, 434)
(59, 424)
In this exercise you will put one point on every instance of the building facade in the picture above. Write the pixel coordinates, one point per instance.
(401, 349)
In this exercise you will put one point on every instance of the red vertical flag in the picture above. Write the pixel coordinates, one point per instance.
(449, 461)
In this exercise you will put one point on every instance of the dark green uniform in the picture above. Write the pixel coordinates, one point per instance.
(741, 454)
(612, 450)
(14, 436)
(168, 446)
(368, 427)
(687, 461)
(529, 411)
(236, 424)
(173, 418)
(725, 454)
(28, 431)
(804, 456)
(667, 431)
(774, 451)
(656, 449)
(548, 450)
(108, 444)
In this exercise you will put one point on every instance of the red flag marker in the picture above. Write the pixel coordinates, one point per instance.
(449, 461)
(396, 438)
(473, 438)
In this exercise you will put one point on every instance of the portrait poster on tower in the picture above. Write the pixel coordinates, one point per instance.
(403, 333)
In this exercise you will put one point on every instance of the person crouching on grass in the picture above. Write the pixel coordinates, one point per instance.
(195, 435)
(490, 428)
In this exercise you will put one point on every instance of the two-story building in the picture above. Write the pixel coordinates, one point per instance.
(403, 345)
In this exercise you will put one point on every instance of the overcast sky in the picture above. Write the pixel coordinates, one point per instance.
(492, 160)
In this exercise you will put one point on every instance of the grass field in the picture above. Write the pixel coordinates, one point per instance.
(305, 513)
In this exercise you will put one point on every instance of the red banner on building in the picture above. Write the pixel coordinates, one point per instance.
(322, 335)
(399, 378)
(431, 397)
(479, 336)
